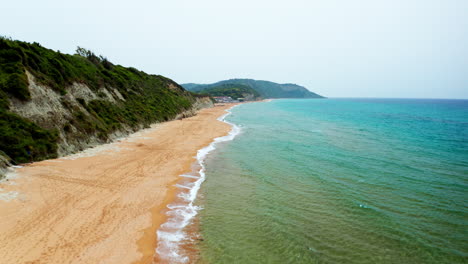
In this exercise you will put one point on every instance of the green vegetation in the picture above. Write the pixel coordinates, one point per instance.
(232, 90)
(147, 98)
(264, 88)
(24, 141)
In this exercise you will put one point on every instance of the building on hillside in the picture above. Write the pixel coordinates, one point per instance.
(224, 99)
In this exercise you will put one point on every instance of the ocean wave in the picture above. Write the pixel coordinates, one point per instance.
(171, 233)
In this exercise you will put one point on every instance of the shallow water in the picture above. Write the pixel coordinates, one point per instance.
(339, 181)
(175, 236)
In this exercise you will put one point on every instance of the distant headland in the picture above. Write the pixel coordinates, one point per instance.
(249, 88)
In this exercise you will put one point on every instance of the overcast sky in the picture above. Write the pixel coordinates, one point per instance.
(337, 48)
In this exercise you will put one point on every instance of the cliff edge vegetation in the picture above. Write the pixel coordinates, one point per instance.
(53, 104)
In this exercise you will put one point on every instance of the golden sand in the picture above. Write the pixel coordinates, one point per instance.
(104, 207)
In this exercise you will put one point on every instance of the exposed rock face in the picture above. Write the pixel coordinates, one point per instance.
(53, 104)
(51, 110)
(203, 102)
(4, 163)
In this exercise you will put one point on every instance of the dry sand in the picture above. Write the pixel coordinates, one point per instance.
(104, 206)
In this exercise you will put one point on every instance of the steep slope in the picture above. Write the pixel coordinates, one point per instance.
(190, 86)
(232, 90)
(266, 89)
(54, 104)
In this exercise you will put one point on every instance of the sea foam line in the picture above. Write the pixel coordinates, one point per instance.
(171, 233)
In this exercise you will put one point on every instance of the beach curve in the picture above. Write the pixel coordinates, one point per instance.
(104, 207)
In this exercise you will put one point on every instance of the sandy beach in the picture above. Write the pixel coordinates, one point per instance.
(104, 206)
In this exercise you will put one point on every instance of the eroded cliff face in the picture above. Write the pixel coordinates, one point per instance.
(4, 164)
(53, 104)
(53, 111)
(200, 103)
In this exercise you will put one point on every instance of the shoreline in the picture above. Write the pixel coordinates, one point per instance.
(175, 242)
(107, 206)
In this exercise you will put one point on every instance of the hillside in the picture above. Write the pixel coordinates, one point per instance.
(232, 90)
(53, 104)
(266, 89)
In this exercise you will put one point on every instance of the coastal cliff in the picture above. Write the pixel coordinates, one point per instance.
(53, 104)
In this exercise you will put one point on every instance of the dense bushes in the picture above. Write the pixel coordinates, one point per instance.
(17, 85)
(147, 98)
(24, 141)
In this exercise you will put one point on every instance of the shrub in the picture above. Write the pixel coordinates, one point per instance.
(147, 97)
(17, 85)
(24, 141)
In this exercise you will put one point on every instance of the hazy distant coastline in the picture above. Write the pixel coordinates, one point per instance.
(263, 89)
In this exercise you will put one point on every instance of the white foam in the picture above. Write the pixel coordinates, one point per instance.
(171, 233)
(182, 186)
(189, 176)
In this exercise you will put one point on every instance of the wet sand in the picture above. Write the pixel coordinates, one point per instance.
(104, 207)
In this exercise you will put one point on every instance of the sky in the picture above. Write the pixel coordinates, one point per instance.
(336, 48)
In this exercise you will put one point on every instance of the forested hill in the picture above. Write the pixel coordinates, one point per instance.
(54, 104)
(234, 91)
(266, 89)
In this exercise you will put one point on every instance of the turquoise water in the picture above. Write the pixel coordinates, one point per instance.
(339, 181)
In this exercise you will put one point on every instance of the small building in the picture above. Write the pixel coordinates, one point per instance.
(224, 99)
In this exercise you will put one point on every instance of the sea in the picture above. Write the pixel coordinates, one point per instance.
(336, 181)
